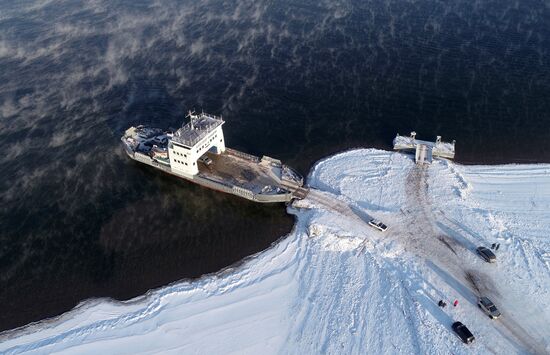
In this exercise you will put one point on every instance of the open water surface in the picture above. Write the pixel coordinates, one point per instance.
(295, 80)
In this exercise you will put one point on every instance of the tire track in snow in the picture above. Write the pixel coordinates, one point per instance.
(478, 283)
(424, 238)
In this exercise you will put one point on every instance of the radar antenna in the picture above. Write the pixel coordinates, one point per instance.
(190, 114)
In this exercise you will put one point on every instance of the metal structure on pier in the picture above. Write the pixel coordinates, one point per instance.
(424, 151)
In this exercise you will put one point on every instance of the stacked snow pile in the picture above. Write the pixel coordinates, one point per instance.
(336, 285)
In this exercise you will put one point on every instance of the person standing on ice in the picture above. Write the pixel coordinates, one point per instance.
(455, 303)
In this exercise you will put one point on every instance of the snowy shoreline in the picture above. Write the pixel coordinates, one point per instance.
(334, 284)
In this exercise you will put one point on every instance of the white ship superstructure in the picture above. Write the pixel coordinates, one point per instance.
(197, 152)
(203, 133)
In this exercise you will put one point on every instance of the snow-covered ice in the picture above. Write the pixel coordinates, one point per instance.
(336, 285)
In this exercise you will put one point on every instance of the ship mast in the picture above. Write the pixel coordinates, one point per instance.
(190, 115)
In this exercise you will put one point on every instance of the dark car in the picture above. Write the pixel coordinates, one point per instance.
(205, 160)
(487, 254)
(463, 332)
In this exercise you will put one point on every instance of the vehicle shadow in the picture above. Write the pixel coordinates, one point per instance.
(437, 312)
(374, 207)
(459, 238)
(359, 212)
(458, 286)
(462, 226)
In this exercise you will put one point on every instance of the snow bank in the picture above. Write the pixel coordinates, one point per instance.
(335, 285)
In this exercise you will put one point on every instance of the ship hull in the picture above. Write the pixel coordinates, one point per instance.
(209, 183)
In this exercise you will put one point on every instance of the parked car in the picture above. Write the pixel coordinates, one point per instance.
(463, 332)
(487, 254)
(378, 225)
(205, 160)
(488, 307)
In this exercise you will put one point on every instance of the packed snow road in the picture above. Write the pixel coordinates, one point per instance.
(448, 247)
(336, 285)
(474, 281)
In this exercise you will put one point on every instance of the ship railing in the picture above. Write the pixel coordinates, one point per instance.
(243, 155)
(190, 142)
(273, 198)
(273, 161)
(202, 129)
(291, 175)
(214, 180)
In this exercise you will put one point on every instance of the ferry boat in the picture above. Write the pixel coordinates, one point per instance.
(196, 152)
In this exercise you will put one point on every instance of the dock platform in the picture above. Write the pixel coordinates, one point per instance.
(424, 151)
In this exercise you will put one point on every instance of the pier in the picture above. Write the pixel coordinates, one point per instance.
(424, 151)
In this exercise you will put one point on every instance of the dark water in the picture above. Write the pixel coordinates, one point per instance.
(294, 79)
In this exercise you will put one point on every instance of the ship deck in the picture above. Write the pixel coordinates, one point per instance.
(234, 170)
